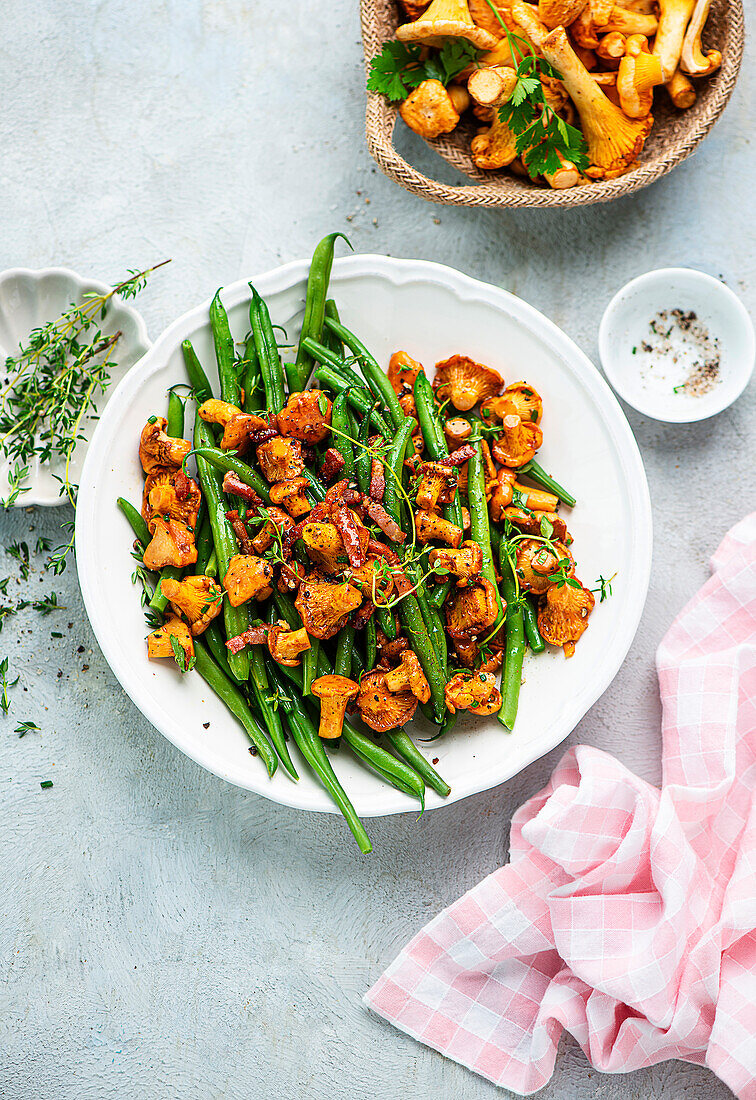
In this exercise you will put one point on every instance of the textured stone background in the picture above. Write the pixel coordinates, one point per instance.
(165, 936)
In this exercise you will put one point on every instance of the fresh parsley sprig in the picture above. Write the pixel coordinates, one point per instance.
(400, 67)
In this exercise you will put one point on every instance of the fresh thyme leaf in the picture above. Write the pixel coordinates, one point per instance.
(603, 587)
(186, 665)
(48, 604)
(547, 527)
(27, 727)
(5, 686)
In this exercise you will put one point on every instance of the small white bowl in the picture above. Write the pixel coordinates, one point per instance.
(647, 379)
(29, 299)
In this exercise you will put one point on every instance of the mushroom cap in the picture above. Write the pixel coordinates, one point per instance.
(465, 563)
(473, 691)
(471, 610)
(519, 398)
(291, 493)
(172, 544)
(284, 644)
(530, 522)
(325, 605)
(564, 615)
(325, 546)
(403, 370)
(465, 382)
(536, 562)
(280, 458)
(198, 598)
(169, 492)
(335, 687)
(496, 147)
(518, 441)
(301, 416)
(418, 681)
(381, 709)
(159, 641)
(248, 578)
(158, 449)
(429, 110)
(446, 19)
(456, 431)
(374, 580)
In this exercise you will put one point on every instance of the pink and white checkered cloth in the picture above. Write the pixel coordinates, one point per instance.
(627, 914)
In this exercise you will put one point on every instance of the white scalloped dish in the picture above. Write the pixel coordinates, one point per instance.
(29, 299)
(430, 311)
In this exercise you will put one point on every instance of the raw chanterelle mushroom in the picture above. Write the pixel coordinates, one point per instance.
(429, 110)
(614, 141)
(674, 16)
(692, 58)
(446, 19)
(639, 73)
(465, 382)
(380, 708)
(335, 694)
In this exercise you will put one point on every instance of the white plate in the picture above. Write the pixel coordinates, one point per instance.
(432, 312)
(29, 299)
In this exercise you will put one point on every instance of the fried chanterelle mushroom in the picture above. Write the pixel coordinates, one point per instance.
(465, 382)
(335, 694)
(473, 691)
(306, 416)
(325, 606)
(158, 449)
(159, 641)
(564, 616)
(199, 599)
(248, 578)
(383, 709)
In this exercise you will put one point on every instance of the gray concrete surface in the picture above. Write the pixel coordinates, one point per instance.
(163, 935)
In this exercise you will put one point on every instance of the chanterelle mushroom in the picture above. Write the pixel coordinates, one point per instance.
(429, 526)
(380, 708)
(248, 578)
(517, 441)
(325, 606)
(302, 416)
(446, 19)
(471, 610)
(280, 458)
(403, 370)
(614, 140)
(465, 564)
(158, 449)
(199, 599)
(465, 382)
(172, 544)
(335, 694)
(692, 58)
(159, 641)
(437, 485)
(674, 17)
(638, 74)
(536, 564)
(325, 546)
(285, 644)
(429, 110)
(170, 493)
(292, 494)
(473, 691)
(409, 676)
(564, 616)
(519, 398)
(237, 425)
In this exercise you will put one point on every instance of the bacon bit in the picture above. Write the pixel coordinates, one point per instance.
(243, 536)
(377, 480)
(342, 493)
(234, 484)
(262, 435)
(344, 523)
(182, 484)
(256, 635)
(363, 614)
(457, 458)
(380, 516)
(333, 464)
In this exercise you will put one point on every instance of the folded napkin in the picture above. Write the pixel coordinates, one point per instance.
(626, 914)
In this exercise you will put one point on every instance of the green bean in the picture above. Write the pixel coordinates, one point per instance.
(229, 694)
(175, 426)
(198, 379)
(414, 625)
(284, 606)
(358, 665)
(341, 441)
(315, 306)
(479, 527)
(331, 341)
(251, 377)
(137, 523)
(159, 602)
(360, 399)
(211, 569)
(309, 744)
(374, 376)
(385, 620)
(431, 617)
(224, 352)
(267, 352)
(260, 685)
(316, 488)
(396, 772)
(216, 643)
(363, 462)
(532, 631)
(310, 665)
(403, 744)
(395, 470)
(435, 442)
(514, 647)
(332, 359)
(371, 648)
(204, 544)
(437, 595)
(537, 474)
(235, 618)
(228, 463)
(495, 541)
(342, 664)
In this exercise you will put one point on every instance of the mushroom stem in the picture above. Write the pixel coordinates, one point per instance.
(674, 16)
(492, 87)
(681, 90)
(692, 58)
(334, 693)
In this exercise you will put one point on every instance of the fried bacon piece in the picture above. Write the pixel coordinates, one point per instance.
(343, 521)
(234, 484)
(333, 464)
(382, 519)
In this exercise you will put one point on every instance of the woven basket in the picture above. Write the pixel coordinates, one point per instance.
(675, 134)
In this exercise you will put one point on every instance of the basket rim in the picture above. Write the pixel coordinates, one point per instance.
(381, 117)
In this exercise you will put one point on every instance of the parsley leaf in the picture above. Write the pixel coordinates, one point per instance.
(387, 70)
(398, 68)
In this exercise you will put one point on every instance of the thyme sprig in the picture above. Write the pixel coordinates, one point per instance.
(51, 384)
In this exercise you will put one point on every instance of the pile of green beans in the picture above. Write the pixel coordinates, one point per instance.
(274, 703)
